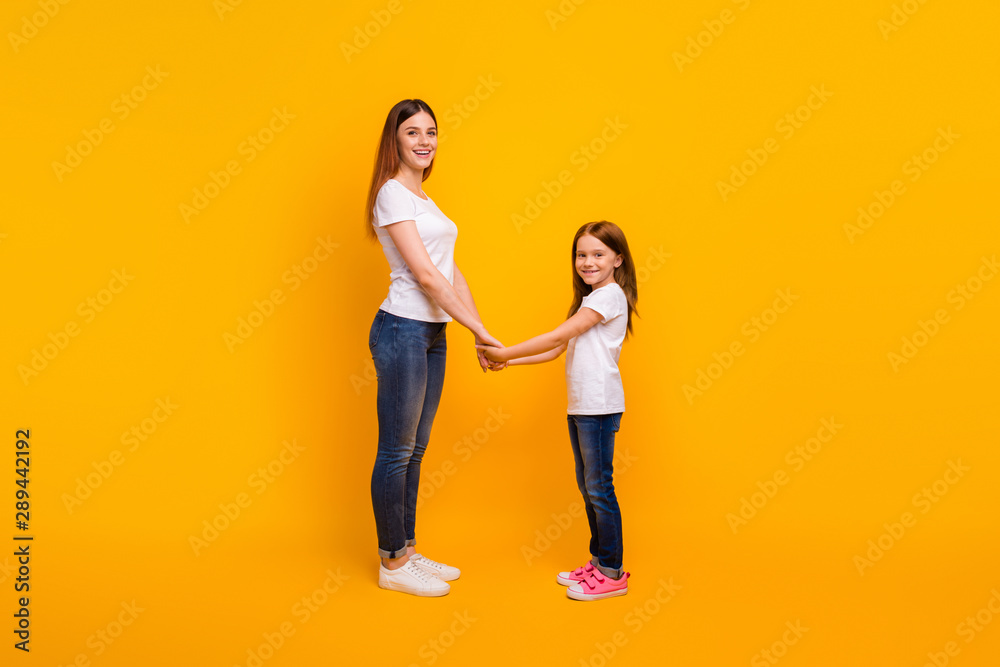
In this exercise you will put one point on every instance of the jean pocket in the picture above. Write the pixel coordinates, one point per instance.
(376, 329)
(616, 421)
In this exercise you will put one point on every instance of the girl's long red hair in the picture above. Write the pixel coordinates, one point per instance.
(612, 236)
(387, 158)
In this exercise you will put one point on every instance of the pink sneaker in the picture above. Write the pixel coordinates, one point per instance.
(597, 587)
(576, 576)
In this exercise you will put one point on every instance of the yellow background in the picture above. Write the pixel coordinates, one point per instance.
(304, 375)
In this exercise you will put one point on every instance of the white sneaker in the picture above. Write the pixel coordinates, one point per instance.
(439, 570)
(411, 579)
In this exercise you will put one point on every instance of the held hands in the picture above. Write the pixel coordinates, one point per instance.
(484, 343)
(492, 365)
(492, 353)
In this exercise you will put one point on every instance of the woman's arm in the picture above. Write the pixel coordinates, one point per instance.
(546, 342)
(465, 294)
(407, 240)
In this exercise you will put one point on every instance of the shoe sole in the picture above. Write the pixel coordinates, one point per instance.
(598, 596)
(419, 592)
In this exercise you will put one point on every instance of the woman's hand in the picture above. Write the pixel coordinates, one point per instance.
(487, 364)
(497, 367)
(484, 338)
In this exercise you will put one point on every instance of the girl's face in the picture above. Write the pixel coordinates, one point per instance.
(417, 139)
(596, 262)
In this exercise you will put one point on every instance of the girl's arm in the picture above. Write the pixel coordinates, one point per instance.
(551, 355)
(407, 240)
(541, 346)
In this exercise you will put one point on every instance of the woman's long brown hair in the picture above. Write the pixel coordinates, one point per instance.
(612, 236)
(387, 158)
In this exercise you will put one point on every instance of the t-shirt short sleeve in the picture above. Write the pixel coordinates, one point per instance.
(605, 302)
(393, 204)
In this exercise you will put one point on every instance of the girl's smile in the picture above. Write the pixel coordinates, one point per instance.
(596, 262)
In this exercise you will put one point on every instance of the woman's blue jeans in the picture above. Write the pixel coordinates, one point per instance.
(593, 440)
(409, 360)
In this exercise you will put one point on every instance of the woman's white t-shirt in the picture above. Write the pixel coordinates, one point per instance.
(592, 379)
(395, 203)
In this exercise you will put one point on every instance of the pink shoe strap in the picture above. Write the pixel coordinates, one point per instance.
(597, 578)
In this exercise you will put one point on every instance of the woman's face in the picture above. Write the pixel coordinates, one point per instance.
(417, 139)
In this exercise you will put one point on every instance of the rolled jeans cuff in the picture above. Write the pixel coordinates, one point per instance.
(392, 554)
(607, 571)
(398, 552)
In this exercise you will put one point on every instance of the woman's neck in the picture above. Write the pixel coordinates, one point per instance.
(410, 178)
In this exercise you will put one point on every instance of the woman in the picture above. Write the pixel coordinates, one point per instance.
(407, 339)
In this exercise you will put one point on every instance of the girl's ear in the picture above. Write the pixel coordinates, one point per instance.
(619, 260)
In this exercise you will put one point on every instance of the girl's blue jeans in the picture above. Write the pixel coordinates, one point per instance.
(593, 440)
(409, 358)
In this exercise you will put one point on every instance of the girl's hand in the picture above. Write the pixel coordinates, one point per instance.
(492, 353)
(485, 363)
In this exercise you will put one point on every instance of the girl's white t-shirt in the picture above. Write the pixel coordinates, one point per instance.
(593, 382)
(395, 203)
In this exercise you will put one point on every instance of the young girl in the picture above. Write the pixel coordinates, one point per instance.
(604, 299)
